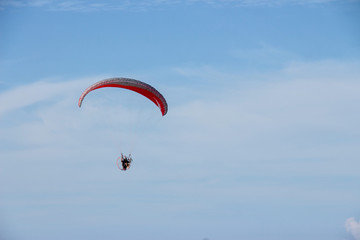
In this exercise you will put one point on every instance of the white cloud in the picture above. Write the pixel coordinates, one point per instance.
(28, 95)
(307, 108)
(78, 5)
(28, 3)
(247, 139)
(352, 226)
(297, 119)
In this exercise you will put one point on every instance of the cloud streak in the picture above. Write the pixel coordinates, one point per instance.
(302, 105)
(287, 136)
(31, 94)
(70, 5)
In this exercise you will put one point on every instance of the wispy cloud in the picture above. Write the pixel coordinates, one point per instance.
(245, 141)
(34, 93)
(304, 99)
(21, 3)
(80, 5)
(305, 108)
(352, 226)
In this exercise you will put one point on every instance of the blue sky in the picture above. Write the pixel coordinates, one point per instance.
(261, 140)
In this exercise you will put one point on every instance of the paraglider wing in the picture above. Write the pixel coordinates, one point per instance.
(133, 85)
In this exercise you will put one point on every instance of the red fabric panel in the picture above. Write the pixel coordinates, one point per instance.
(133, 85)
